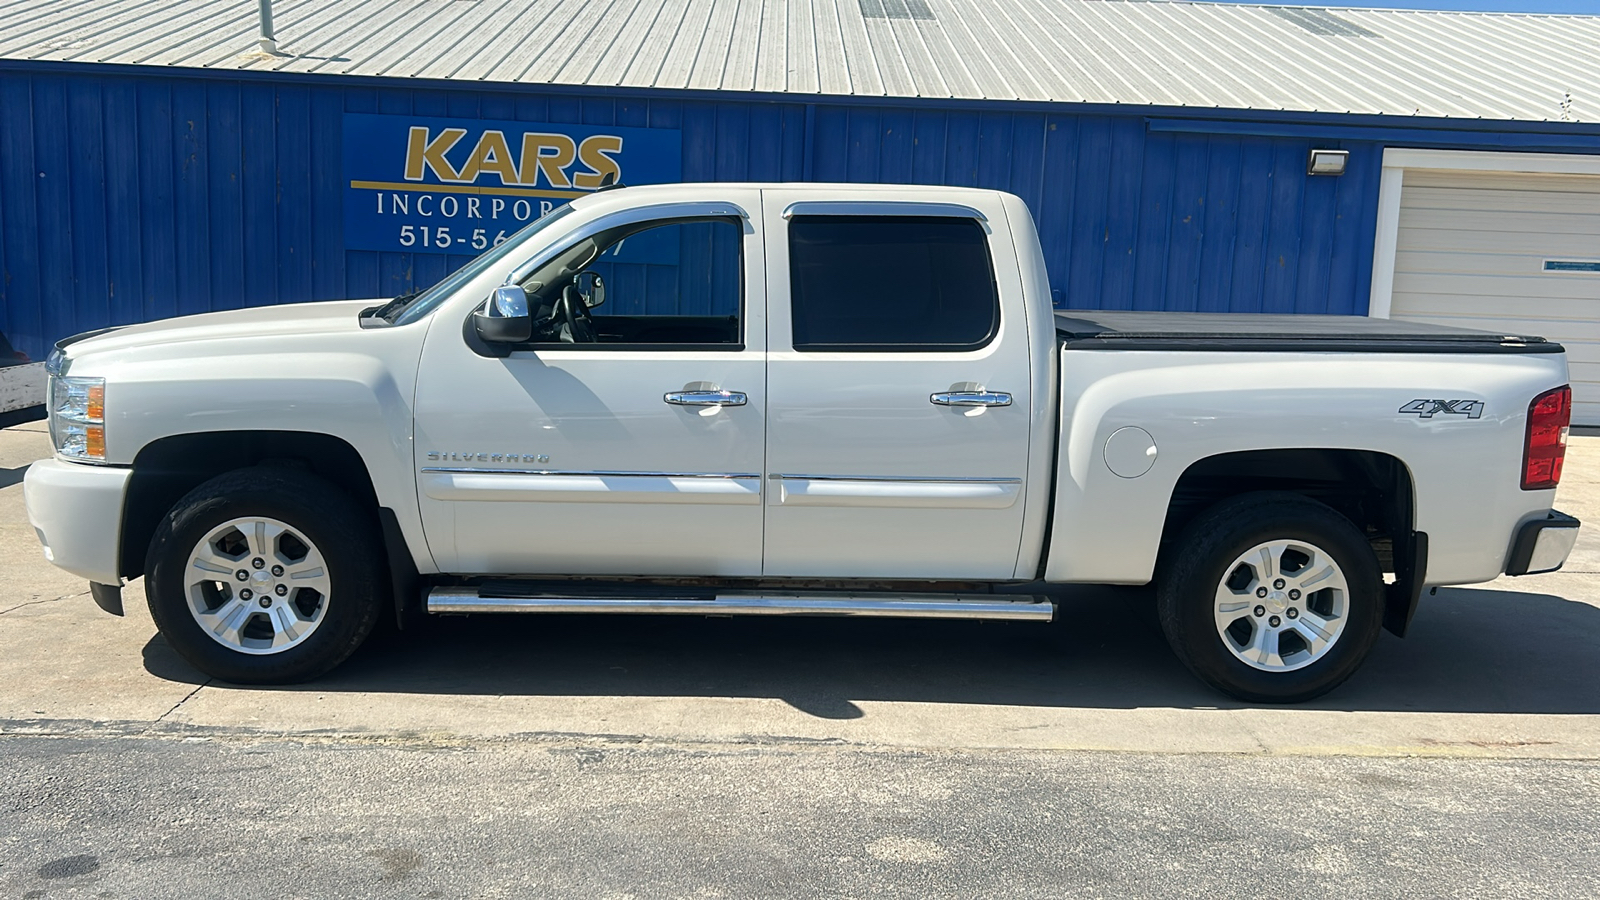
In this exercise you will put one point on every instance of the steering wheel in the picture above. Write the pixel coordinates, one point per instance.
(580, 324)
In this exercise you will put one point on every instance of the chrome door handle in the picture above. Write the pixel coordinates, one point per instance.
(706, 398)
(971, 398)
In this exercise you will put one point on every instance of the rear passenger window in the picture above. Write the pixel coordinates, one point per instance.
(896, 283)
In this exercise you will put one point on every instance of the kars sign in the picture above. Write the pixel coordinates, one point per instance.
(425, 185)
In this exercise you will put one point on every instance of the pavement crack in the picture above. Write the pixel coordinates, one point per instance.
(43, 600)
(158, 719)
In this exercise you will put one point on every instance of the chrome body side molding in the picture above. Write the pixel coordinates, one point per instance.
(897, 491)
(449, 483)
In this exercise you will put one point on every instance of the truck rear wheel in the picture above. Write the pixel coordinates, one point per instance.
(1271, 597)
(265, 576)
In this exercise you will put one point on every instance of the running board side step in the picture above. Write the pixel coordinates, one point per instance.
(1022, 607)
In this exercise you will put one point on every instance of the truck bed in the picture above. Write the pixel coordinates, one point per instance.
(1102, 330)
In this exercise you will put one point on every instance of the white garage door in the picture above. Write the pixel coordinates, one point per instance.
(1503, 252)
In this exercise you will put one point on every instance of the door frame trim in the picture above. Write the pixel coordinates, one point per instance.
(1391, 184)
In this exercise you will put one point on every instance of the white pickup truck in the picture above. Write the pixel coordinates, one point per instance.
(793, 399)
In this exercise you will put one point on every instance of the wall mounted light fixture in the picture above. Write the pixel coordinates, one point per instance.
(1327, 162)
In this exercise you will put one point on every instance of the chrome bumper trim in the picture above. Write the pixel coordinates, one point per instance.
(1543, 544)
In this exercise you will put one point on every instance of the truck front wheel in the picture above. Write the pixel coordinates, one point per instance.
(265, 576)
(1271, 597)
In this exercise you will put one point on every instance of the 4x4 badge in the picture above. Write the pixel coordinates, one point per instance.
(1426, 409)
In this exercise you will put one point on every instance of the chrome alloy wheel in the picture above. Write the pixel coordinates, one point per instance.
(1282, 605)
(257, 586)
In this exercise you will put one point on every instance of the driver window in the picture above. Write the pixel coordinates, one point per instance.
(674, 284)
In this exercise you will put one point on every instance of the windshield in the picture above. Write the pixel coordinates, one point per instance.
(405, 310)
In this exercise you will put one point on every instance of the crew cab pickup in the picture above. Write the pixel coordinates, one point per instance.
(793, 399)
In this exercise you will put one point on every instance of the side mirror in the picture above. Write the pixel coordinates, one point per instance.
(505, 318)
(591, 289)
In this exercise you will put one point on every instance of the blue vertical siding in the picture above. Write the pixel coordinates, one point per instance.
(21, 294)
(135, 197)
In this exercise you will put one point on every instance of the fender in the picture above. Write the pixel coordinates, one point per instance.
(248, 371)
(1195, 405)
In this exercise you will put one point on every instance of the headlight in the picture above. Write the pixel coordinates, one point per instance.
(78, 417)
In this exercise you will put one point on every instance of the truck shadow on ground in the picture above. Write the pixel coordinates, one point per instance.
(1470, 650)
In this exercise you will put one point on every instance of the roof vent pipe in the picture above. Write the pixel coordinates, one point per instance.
(269, 43)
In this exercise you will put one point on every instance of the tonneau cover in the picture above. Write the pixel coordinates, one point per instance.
(1102, 330)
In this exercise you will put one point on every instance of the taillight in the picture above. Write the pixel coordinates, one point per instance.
(1549, 416)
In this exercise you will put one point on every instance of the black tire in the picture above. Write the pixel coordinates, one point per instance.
(343, 531)
(1193, 569)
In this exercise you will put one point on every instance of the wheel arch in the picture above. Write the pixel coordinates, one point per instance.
(1376, 491)
(167, 468)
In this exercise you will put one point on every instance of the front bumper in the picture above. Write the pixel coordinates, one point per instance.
(76, 509)
(1543, 544)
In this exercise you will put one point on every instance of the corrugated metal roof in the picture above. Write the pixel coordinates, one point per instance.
(1391, 62)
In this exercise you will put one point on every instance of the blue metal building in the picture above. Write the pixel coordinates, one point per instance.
(152, 165)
